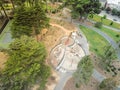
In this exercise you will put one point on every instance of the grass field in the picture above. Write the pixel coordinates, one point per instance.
(113, 34)
(96, 42)
(105, 21)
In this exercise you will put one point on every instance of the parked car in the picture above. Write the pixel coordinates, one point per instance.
(114, 19)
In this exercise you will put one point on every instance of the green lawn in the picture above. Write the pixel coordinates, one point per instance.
(113, 34)
(105, 21)
(96, 42)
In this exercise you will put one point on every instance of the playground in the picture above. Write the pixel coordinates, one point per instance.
(67, 54)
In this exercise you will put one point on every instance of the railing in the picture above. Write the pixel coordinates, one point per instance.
(3, 26)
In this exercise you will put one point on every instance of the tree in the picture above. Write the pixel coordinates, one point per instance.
(114, 11)
(108, 84)
(107, 57)
(98, 24)
(19, 2)
(25, 66)
(84, 7)
(108, 9)
(111, 23)
(104, 17)
(84, 71)
(29, 21)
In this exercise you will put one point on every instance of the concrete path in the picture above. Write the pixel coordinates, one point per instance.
(63, 79)
(111, 28)
(108, 38)
(98, 76)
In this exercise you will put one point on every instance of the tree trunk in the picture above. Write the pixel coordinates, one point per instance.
(85, 17)
(13, 4)
(80, 18)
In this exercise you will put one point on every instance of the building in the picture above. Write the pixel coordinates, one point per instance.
(113, 4)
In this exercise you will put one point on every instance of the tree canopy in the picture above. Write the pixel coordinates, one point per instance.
(29, 21)
(84, 71)
(25, 66)
(84, 7)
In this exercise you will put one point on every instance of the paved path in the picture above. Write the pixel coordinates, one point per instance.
(111, 28)
(63, 79)
(98, 76)
(108, 38)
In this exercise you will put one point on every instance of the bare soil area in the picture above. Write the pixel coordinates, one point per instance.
(98, 67)
(3, 59)
(56, 31)
(92, 85)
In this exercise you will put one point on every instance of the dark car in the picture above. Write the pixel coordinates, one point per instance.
(114, 19)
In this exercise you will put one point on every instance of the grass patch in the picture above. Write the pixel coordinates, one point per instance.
(105, 21)
(113, 34)
(96, 42)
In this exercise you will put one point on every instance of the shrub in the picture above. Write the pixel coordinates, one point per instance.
(111, 23)
(98, 24)
(117, 35)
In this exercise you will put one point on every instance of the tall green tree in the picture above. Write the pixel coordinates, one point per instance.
(84, 71)
(25, 65)
(29, 21)
(107, 57)
(84, 7)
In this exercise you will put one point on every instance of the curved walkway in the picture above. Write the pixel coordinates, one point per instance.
(108, 38)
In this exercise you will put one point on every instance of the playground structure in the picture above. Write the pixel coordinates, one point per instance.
(67, 54)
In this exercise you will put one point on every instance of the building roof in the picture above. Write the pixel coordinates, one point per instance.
(113, 1)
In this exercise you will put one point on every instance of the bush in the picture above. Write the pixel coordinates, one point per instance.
(117, 35)
(77, 85)
(98, 24)
(111, 23)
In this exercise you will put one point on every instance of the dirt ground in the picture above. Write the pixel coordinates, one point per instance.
(92, 85)
(55, 32)
(3, 59)
(97, 66)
